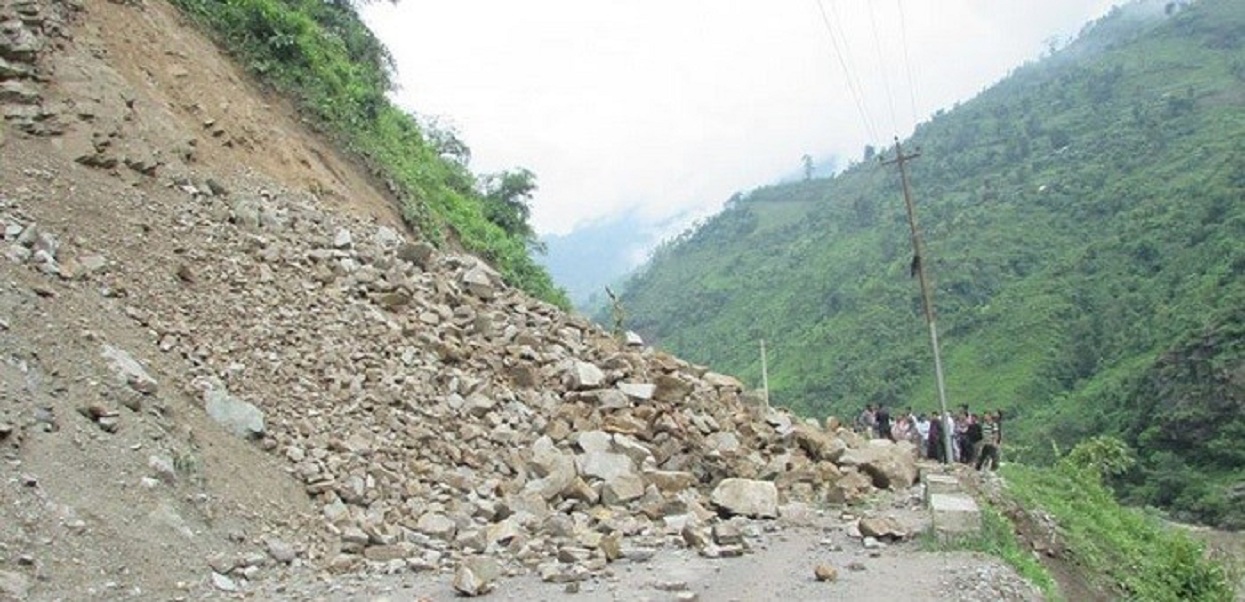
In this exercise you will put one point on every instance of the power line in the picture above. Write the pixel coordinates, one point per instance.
(907, 62)
(837, 23)
(886, 79)
(847, 72)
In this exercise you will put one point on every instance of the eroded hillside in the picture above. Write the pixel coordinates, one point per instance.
(224, 362)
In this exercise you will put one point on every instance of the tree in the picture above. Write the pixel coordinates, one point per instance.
(506, 196)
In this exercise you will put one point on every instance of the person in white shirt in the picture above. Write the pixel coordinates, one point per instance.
(922, 432)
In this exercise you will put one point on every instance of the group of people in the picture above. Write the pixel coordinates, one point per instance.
(975, 439)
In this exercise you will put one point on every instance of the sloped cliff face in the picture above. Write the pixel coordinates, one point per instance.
(222, 356)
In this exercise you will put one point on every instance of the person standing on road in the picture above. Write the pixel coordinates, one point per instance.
(991, 439)
(922, 435)
(867, 421)
(884, 423)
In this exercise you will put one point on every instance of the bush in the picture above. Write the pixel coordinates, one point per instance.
(1135, 554)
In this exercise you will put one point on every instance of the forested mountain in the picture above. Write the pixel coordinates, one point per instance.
(1084, 222)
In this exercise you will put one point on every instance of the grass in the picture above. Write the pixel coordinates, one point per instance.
(1128, 551)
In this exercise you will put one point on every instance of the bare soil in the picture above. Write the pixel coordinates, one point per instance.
(84, 513)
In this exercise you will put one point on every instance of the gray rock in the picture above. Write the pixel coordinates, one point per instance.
(746, 497)
(629, 446)
(343, 239)
(723, 442)
(889, 465)
(223, 582)
(605, 465)
(280, 550)
(476, 575)
(670, 481)
(238, 417)
(554, 468)
(435, 524)
(130, 371)
(622, 489)
(637, 391)
(417, 253)
(882, 528)
(163, 468)
(387, 237)
(727, 534)
(478, 281)
(582, 375)
(818, 444)
(594, 441)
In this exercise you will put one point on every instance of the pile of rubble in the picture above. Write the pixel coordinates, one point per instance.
(436, 414)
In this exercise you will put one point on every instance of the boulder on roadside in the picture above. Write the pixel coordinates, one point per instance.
(746, 497)
(476, 575)
(817, 444)
(882, 528)
(889, 465)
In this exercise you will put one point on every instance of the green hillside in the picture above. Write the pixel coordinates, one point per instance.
(1084, 222)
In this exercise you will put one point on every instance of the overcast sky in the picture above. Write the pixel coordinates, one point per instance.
(668, 107)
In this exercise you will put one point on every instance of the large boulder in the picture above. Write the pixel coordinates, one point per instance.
(746, 497)
(850, 488)
(818, 444)
(477, 575)
(889, 465)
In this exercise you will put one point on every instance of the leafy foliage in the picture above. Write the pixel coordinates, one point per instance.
(323, 54)
(1102, 456)
(1081, 218)
(1139, 556)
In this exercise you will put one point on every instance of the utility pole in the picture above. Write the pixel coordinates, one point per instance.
(927, 297)
(764, 375)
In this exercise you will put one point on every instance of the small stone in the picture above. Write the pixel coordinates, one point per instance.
(727, 534)
(280, 550)
(217, 188)
(223, 582)
(825, 572)
(163, 468)
(670, 586)
(343, 239)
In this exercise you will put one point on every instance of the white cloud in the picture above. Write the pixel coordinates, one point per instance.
(670, 107)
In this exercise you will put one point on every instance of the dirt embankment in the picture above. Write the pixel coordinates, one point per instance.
(184, 259)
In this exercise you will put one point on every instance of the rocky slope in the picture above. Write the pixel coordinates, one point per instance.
(223, 360)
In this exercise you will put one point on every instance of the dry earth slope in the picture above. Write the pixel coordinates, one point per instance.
(225, 370)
